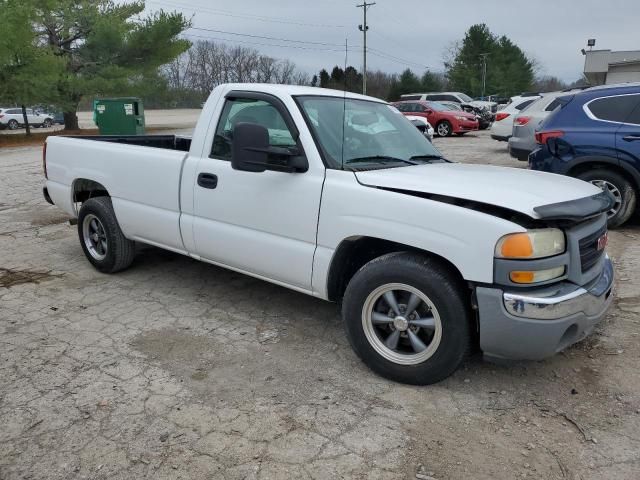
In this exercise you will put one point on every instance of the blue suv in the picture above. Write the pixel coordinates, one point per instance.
(594, 135)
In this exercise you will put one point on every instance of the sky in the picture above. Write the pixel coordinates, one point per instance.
(412, 33)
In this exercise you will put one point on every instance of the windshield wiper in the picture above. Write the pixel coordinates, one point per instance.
(374, 158)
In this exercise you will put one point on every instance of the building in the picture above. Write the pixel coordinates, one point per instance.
(608, 67)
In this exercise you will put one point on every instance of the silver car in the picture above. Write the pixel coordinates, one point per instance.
(523, 141)
(12, 118)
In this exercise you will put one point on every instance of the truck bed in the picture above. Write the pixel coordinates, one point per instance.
(168, 142)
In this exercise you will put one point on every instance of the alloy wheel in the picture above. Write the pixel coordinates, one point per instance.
(613, 190)
(95, 237)
(402, 324)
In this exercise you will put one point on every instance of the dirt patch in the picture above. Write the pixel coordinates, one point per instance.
(11, 278)
(49, 217)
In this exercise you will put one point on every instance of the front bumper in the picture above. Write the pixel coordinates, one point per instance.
(535, 324)
(466, 127)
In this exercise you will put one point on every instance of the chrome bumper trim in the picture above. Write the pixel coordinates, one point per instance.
(564, 299)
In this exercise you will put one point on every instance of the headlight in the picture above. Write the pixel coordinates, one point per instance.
(462, 119)
(536, 243)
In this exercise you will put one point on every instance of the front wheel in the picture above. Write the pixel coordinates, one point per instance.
(47, 123)
(103, 243)
(406, 318)
(13, 124)
(623, 193)
(444, 129)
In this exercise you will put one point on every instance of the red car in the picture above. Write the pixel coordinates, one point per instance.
(445, 121)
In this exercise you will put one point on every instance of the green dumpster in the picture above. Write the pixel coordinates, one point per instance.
(119, 116)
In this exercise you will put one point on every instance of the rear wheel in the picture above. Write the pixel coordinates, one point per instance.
(406, 319)
(624, 194)
(444, 129)
(103, 243)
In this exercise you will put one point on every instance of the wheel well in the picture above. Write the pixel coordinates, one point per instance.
(353, 253)
(84, 189)
(585, 167)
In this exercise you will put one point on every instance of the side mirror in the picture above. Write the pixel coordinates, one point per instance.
(428, 111)
(250, 146)
(251, 152)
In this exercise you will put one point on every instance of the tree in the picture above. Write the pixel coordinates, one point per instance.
(548, 84)
(27, 73)
(349, 79)
(106, 47)
(509, 71)
(324, 78)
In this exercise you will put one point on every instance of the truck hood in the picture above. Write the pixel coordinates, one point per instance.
(532, 193)
(483, 104)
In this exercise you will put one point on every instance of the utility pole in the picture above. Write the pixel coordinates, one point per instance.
(484, 56)
(363, 28)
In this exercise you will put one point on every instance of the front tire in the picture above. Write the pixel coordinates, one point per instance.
(444, 129)
(13, 125)
(47, 123)
(103, 243)
(406, 318)
(621, 189)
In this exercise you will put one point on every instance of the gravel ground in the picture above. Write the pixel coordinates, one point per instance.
(176, 369)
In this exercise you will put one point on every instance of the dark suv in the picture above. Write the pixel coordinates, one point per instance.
(595, 136)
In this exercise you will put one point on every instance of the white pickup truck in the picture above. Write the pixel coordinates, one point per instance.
(339, 196)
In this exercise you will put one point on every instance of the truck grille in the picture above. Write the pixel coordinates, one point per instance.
(589, 253)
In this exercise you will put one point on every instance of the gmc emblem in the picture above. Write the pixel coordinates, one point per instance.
(602, 241)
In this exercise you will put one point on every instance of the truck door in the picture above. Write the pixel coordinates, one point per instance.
(262, 223)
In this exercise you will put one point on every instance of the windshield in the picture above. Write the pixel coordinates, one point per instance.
(373, 132)
(439, 107)
(465, 97)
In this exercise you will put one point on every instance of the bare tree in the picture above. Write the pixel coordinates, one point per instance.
(207, 64)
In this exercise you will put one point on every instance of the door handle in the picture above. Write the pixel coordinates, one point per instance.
(631, 138)
(208, 180)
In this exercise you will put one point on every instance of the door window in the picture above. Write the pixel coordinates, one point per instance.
(613, 109)
(241, 110)
(524, 105)
(634, 118)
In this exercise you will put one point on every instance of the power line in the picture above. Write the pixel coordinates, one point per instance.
(399, 60)
(267, 38)
(298, 47)
(227, 13)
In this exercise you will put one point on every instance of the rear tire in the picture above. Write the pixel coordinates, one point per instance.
(385, 341)
(623, 191)
(102, 241)
(444, 129)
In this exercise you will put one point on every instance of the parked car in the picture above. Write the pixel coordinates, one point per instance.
(502, 126)
(334, 195)
(445, 121)
(523, 140)
(457, 97)
(12, 118)
(595, 136)
(482, 114)
(423, 125)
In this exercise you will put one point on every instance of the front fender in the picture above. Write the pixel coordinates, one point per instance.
(464, 237)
